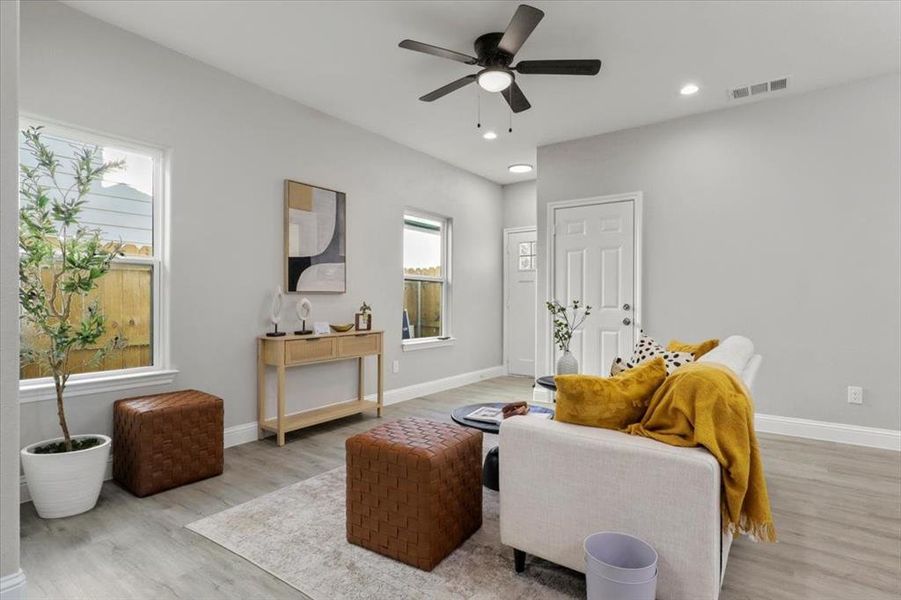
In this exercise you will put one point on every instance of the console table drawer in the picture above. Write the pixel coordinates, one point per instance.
(356, 345)
(298, 351)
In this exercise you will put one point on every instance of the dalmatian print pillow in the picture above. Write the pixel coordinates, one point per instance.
(619, 365)
(646, 349)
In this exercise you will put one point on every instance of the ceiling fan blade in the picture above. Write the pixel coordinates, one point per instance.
(524, 21)
(436, 51)
(515, 98)
(447, 89)
(558, 67)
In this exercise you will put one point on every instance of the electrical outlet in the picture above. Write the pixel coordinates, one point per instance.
(855, 394)
(395, 367)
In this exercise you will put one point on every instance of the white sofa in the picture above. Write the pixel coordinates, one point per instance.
(561, 482)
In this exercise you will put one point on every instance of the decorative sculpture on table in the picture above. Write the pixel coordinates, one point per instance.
(275, 312)
(363, 319)
(304, 309)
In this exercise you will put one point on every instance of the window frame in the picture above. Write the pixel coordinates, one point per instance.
(160, 372)
(446, 338)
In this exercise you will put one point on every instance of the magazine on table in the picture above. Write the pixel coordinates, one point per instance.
(487, 414)
(490, 414)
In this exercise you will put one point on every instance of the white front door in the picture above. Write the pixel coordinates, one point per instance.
(594, 262)
(519, 297)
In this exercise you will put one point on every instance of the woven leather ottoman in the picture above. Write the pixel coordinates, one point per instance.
(414, 489)
(166, 440)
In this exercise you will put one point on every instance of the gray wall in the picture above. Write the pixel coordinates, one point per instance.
(232, 144)
(778, 220)
(519, 204)
(9, 302)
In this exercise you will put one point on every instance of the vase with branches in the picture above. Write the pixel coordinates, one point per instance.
(567, 320)
(61, 261)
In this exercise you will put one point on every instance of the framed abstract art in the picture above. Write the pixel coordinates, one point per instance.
(315, 239)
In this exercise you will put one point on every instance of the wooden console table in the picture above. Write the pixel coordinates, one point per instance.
(298, 350)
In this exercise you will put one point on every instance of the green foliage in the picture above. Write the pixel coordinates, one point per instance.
(60, 260)
(564, 324)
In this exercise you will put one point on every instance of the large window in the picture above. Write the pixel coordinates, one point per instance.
(426, 277)
(125, 207)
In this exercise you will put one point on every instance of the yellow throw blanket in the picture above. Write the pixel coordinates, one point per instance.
(705, 404)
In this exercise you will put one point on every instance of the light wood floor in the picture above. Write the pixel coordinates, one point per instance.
(837, 511)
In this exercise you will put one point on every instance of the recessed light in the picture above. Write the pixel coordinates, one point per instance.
(688, 89)
(520, 168)
(489, 135)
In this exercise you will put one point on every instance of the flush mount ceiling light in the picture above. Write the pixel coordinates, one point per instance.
(495, 79)
(489, 135)
(520, 168)
(689, 89)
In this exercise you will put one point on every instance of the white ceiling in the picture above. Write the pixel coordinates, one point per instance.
(342, 59)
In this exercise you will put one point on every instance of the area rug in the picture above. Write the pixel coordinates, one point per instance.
(297, 534)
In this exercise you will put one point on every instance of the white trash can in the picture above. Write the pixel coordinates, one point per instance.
(619, 567)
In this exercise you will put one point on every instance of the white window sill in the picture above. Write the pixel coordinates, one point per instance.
(44, 390)
(424, 344)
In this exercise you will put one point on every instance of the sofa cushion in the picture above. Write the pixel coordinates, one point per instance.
(609, 402)
(696, 350)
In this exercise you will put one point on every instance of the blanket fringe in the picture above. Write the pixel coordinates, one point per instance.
(757, 532)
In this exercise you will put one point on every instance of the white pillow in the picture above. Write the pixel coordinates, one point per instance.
(734, 352)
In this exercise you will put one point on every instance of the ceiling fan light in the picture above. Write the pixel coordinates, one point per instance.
(495, 80)
(520, 168)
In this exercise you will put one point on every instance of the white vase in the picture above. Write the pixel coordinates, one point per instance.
(66, 483)
(567, 364)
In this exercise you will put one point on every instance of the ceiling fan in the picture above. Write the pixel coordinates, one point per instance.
(495, 52)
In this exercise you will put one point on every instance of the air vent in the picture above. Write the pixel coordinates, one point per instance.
(756, 89)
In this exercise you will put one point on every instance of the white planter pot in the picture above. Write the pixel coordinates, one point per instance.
(68, 483)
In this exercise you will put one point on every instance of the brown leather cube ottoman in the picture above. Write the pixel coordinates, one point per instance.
(166, 440)
(414, 489)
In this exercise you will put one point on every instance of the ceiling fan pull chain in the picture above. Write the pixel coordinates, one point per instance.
(510, 105)
(478, 108)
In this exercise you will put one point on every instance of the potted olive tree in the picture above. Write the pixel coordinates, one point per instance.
(60, 263)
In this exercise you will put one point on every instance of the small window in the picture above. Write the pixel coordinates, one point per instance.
(124, 207)
(426, 277)
(527, 256)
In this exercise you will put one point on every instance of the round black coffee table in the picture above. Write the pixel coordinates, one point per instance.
(547, 382)
(490, 477)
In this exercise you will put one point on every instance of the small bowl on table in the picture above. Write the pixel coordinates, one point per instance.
(341, 327)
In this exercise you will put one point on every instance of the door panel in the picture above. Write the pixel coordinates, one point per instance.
(520, 264)
(594, 256)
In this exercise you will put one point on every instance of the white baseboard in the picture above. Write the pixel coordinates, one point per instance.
(12, 586)
(247, 432)
(240, 434)
(856, 435)
(418, 390)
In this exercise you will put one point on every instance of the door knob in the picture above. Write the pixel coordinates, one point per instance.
(626, 307)
(627, 321)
